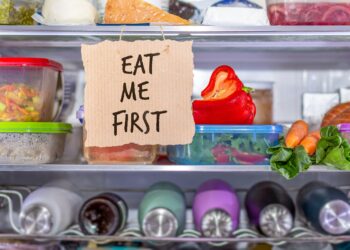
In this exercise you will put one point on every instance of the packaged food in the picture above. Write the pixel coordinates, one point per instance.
(227, 145)
(32, 142)
(68, 12)
(126, 154)
(337, 115)
(138, 11)
(344, 129)
(16, 12)
(28, 89)
(235, 12)
(185, 10)
(308, 12)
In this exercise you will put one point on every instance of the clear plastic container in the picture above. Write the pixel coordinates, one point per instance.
(345, 130)
(308, 12)
(28, 89)
(126, 154)
(32, 142)
(18, 12)
(227, 145)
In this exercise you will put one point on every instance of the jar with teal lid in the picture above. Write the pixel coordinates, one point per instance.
(32, 142)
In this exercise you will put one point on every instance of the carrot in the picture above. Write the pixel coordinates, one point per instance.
(310, 142)
(296, 133)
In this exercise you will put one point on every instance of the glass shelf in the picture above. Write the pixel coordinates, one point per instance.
(203, 36)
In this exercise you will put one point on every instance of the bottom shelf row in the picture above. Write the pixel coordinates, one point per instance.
(321, 213)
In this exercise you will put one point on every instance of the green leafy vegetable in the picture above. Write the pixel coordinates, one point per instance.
(333, 150)
(289, 162)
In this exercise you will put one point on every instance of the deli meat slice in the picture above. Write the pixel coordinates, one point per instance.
(337, 115)
(138, 11)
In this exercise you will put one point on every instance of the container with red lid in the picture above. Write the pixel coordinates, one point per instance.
(28, 89)
(309, 12)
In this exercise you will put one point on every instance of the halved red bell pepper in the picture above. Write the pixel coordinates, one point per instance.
(225, 100)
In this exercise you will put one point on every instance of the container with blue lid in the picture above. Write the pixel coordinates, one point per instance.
(227, 145)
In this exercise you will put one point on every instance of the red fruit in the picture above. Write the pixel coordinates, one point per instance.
(222, 158)
(247, 158)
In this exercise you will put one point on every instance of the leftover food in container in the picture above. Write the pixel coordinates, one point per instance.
(227, 145)
(309, 12)
(344, 129)
(28, 89)
(32, 142)
(16, 12)
(126, 154)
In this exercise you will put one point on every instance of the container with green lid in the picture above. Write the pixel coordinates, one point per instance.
(32, 142)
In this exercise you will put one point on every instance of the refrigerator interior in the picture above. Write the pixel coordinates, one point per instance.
(292, 70)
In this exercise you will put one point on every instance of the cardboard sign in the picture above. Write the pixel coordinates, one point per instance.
(138, 92)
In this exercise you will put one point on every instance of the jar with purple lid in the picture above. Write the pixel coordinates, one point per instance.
(344, 129)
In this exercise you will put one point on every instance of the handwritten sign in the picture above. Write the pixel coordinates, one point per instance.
(138, 92)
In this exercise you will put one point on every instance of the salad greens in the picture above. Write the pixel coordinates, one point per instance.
(333, 149)
(229, 149)
(287, 161)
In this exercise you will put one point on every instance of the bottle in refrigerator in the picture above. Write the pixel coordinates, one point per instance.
(216, 209)
(162, 212)
(270, 209)
(325, 207)
(104, 214)
(49, 210)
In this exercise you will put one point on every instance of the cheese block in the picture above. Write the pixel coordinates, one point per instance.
(337, 115)
(138, 11)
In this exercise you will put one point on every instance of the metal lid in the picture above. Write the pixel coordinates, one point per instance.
(160, 222)
(99, 216)
(275, 220)
(202, 129)
(30, 62)
(36, 220)
(35, 127)
(335, 217)
(217, 224)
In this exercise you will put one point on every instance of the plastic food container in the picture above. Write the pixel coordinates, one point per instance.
(344, 129)
(32, 142)
(126, 154)
(227, 145)
(28, 89)
(308, 12)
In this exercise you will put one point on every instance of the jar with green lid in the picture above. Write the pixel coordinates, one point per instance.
(32, 142)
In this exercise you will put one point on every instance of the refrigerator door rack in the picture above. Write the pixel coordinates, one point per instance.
(11, 198)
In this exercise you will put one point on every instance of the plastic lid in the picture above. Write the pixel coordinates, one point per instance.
(202, 129)
(27, 62)
(35, 127)
(345, 127)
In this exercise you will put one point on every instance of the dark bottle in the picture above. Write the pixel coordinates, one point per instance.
(105, 214)
(270, 209)
(325, 207)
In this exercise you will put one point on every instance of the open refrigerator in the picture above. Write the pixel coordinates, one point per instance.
(293, 62)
